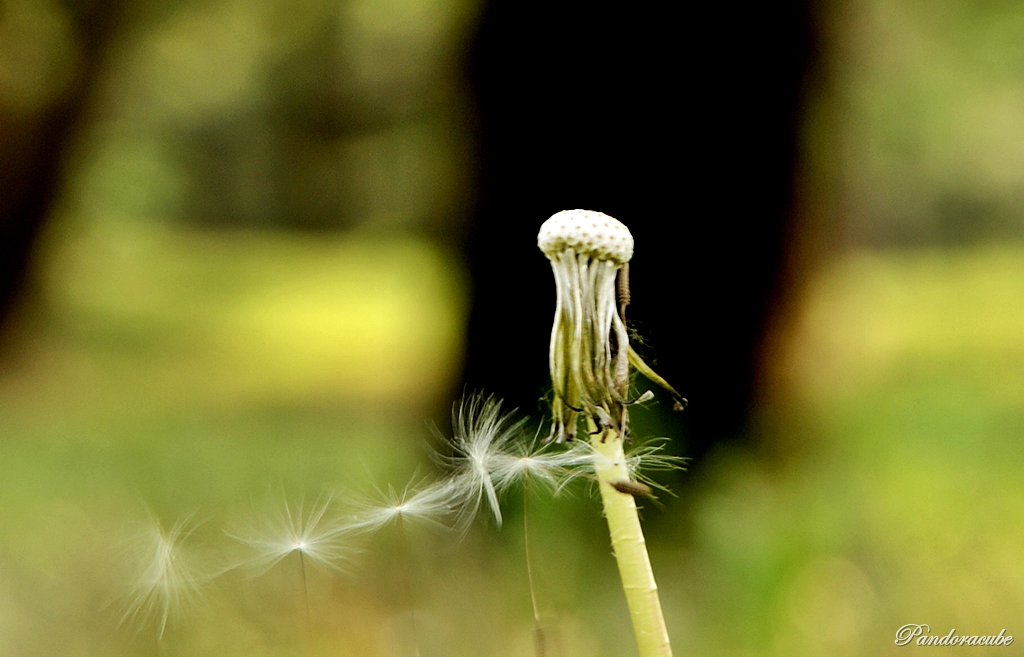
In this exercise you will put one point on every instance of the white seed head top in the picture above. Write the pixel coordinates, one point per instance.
(586, 232)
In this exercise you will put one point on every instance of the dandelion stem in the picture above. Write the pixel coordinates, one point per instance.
(629, 546)
(589, 360)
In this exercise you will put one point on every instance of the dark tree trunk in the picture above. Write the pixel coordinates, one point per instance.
(682, 125)
(33, 147)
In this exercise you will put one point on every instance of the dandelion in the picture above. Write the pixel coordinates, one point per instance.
(482, 439)
(170, 576)
(589, 358)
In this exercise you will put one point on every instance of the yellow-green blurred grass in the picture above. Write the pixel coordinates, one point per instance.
(887, 486)
(160, 369)
(171, 369)
(168, 315)
(884, 490)
(877, 313)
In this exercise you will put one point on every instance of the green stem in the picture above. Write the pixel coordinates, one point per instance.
(629, 547)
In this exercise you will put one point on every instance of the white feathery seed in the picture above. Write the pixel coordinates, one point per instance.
(482, 437)
(422, 505)
(534, 462)
(285, 530)
(170, 576)
(639, 460)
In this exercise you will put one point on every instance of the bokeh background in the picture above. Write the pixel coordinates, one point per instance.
(251, 250)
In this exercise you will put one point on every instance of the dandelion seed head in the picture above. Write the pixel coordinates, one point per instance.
(586, 232)
(588, 356)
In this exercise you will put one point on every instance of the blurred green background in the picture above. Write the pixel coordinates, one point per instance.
(252, 282)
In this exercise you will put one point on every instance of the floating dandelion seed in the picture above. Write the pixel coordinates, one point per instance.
(286, 530)
(482, 440)
(533, 462)
(427, 505)
(526, 463)
(171, 576)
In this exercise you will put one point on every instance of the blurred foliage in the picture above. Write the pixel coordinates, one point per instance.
(917, 135)
(285, 317)
(249, 285)
(887, 489)
(38, 56)
(314, 114)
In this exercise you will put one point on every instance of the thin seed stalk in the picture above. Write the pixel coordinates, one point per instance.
(305, 596)
(538, 633)
(629, 547)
